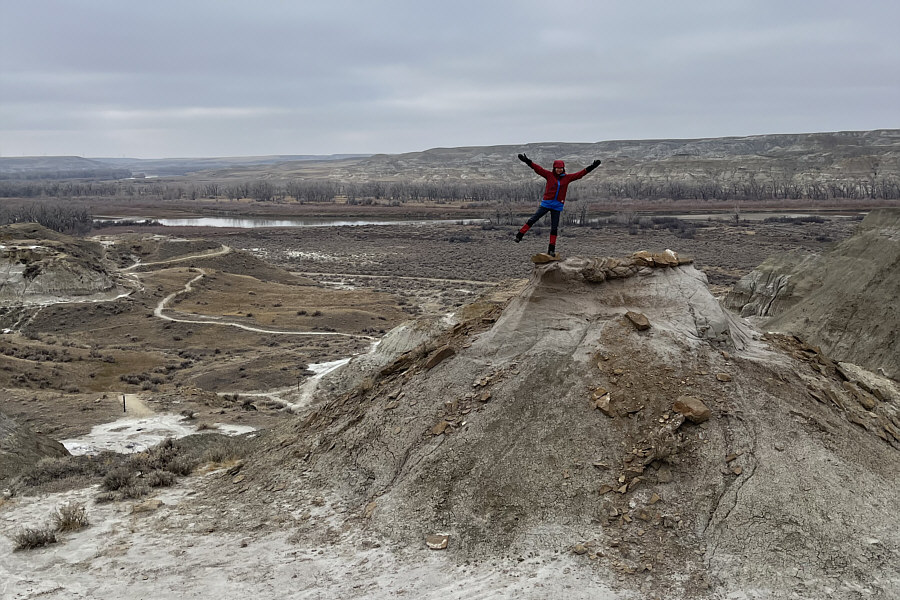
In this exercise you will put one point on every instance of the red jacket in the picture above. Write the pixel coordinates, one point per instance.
(555, 191)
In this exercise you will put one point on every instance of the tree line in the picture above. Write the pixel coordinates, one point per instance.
(57, 216)
(752, 188)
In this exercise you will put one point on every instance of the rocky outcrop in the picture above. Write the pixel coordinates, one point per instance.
(21, 448)
(843, 301)
(690, 456)
(38, 266)
(772, 287)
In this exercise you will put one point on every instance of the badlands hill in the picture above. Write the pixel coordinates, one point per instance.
(848, 158)
(831, 158)
(608, 409)
(38, 265)
(850, 152)
(844, 300)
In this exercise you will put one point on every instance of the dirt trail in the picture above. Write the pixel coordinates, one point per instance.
(223, 250)
(136, 407)
(405, 278)
(212, 320)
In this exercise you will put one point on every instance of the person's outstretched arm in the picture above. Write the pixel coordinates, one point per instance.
(535, 167)
(585, 170)
(591, 167)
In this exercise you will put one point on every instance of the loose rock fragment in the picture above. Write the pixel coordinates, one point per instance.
(439, 356)
(437, 541)
(692, 408)
(640, 322)
(602, 403)
(147, 506)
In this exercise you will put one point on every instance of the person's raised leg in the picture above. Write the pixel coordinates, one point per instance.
(554, 230)
(541, 211)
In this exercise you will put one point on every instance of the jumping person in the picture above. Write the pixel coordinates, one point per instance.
(554, 196)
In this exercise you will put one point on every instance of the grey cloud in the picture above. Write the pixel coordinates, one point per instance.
(212, 77)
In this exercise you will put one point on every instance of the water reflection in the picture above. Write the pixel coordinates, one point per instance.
(259, 222)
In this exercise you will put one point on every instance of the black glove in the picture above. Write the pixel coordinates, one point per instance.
(592, 166)
(525, 159)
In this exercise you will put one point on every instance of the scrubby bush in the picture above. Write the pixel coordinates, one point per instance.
(118, 478)
(226, 449)
(52, 469)
(34, 537)
(134, 491)
(161, 479)
(70, 517)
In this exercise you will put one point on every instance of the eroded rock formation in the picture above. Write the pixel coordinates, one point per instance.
(844, 301)
(695, 457)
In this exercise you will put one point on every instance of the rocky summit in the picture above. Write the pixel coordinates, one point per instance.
(694, 457)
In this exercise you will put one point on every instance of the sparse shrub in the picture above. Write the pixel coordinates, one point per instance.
(160, 479)
(56, 468)
(181, 465)
(118, 478)
(157, 457)
(70, 517)
(226, 449)
(134, 491)
(34, 537)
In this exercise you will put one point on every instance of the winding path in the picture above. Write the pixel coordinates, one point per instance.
(222, 251)
(211, 320)
(408, 278)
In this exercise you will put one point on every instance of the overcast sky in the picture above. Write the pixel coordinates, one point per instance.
(187, 78)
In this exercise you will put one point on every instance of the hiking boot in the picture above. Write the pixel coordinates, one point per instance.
(519, 237)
